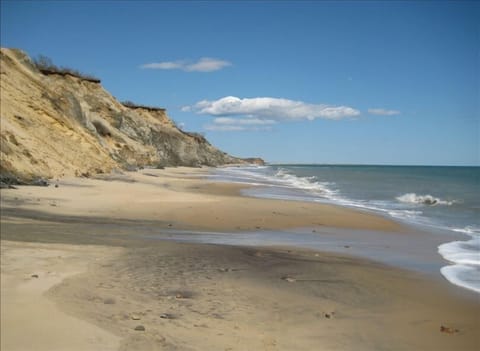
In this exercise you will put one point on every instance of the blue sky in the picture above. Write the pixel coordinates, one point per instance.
(305, 82)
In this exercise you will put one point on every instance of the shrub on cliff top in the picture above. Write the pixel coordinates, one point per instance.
(45, 65)
(131, 104)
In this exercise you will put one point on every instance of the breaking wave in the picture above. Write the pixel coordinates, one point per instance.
(465, 258)
(305, 183)
(429, 200)
(417, 208)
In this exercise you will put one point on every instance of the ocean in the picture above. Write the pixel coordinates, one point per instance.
(438, 199)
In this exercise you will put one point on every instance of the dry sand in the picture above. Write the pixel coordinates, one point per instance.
(180, 198)
(29, 320)
(204, 297)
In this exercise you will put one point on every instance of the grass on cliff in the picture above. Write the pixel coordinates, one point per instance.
(45, 65)
(133, 105)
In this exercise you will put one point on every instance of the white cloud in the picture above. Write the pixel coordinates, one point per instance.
(164, 65)
(244, 122)
(235, 128)
(268, 108)
(383, 112)
(228, 124)
(205, 64)
(224, 128)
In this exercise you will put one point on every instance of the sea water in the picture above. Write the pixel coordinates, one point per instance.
(438, 198)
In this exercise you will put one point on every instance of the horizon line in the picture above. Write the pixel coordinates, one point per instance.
(362, 164)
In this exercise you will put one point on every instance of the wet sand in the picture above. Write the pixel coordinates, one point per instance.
(99, 275)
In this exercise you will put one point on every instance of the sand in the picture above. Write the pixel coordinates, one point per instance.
(99, 278)
(31, 321)
(180, 198)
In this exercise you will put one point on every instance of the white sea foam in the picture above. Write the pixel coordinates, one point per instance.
(321, 191)
(405, 214)
(318, 191)
(465, 276)
(305, 183)
(462, 252)
(246, 175)
(430, 200)
(465, 256)
(471, 230)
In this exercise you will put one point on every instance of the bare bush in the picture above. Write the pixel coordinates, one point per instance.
(130, 104)
(45, 65)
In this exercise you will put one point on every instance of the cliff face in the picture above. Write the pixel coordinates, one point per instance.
(59, 124)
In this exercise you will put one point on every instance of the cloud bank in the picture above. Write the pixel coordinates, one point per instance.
(271, 109)
(234, 128)
(382, 112)
(205, 64)
(228, 124)
(246, 121)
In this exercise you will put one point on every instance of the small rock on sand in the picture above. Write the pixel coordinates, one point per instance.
(135, 317)
(140, 328)
(329, 315)
(109, 301)
(448, 330)
(183, 295)
(34, 275)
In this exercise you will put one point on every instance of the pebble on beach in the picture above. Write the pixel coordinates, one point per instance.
(289, 279)
(448, 330)
(166, 316)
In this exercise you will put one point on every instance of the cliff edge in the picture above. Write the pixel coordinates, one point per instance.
(54, 124)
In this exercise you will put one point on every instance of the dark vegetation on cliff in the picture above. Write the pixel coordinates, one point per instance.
(133, 105)
(45, 65)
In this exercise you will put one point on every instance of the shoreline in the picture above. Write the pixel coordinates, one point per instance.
(457, 248)
(201, 296)
(191, 200)
(184, 200)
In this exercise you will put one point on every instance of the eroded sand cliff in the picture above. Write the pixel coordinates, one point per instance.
(60, 124)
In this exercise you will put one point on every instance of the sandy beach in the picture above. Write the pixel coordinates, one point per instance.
(78, 273)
